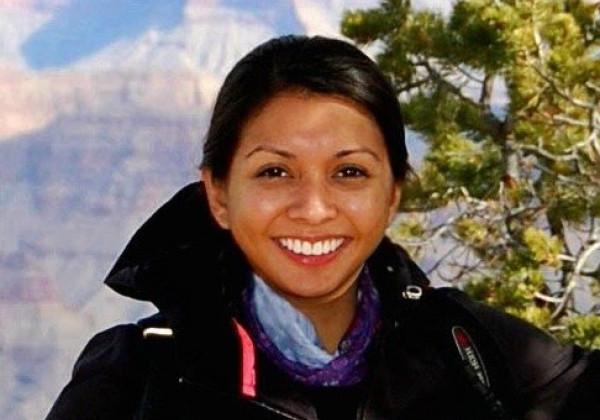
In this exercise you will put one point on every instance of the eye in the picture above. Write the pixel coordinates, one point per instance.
(351, 172)
(273, 172)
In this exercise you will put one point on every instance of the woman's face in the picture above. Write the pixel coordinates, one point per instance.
(309, 194)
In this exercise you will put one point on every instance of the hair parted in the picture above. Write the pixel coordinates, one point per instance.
(310, 65)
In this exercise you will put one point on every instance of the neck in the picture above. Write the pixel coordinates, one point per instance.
(331, 319)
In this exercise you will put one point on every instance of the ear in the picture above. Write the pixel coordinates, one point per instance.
(216, 193)
(395, 201)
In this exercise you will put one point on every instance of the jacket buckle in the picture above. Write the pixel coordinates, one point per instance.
(412, 292)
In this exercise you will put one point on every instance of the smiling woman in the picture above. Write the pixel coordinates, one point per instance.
(309, 193)
(280, 296)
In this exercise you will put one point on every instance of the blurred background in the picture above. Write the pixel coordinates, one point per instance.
(103, 107)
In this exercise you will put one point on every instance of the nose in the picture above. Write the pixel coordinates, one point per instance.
(312, 203)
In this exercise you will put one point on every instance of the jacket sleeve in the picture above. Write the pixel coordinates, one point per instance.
(583, 401)
(551, 381)
(107, 378)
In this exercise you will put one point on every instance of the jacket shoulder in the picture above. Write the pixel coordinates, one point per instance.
(547, 377)
(534, 354)
(107, 377)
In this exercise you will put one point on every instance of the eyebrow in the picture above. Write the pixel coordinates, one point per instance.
(343, 153)
(270, 149)
(288, 155)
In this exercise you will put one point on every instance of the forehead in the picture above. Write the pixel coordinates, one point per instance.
(312, 122)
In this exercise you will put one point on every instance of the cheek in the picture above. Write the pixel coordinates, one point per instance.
(368, 218)
(253, 209)
(369, 211)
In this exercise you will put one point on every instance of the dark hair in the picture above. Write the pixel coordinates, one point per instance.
(306, 64)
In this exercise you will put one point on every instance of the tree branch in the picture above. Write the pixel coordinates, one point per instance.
(564, 300)
(591, 140)
(592, 86)
(582, 258)
(467, 74)
(435, 75)
(442, 258)
(548, 299)
(487, 88)
(412, 85)
(574, 101)
(568, 120)
(539, 149)
(595, 246)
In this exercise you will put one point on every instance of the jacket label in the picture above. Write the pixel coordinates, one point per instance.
(469, 354)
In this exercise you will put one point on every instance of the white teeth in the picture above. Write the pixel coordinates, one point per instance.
(317, 248)
(297, 246)
(306, 248)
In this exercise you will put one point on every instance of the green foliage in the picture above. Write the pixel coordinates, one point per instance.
(508, 186)
(481, 33)
(472, 232)
(582, 330)
(543, 248)
(463, 162)
(410, 228)
(510, 288)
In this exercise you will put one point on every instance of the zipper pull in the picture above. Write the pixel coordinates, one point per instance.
(412, 292)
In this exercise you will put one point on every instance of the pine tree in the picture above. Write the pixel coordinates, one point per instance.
(506, 94)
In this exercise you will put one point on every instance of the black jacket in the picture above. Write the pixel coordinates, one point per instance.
(191, 270)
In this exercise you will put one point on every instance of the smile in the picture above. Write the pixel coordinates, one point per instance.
(307, 248)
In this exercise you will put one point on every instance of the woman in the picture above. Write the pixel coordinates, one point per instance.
(279, 295)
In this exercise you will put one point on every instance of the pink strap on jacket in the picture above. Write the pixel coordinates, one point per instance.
(248, 361)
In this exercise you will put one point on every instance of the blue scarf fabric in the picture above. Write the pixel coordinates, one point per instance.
(289, 339)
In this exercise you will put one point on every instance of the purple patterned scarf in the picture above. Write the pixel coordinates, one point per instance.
(349, 366)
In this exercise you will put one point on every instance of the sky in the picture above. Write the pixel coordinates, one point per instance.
(80, 28)
(84, 27)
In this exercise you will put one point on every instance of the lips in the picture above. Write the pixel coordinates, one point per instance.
(312, 252)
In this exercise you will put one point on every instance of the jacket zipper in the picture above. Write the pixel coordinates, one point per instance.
(360, 410)
(253, 401)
